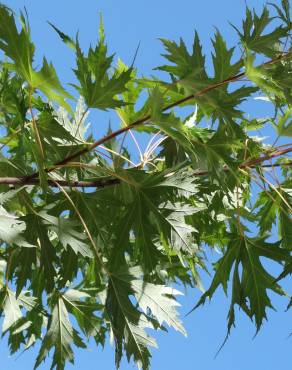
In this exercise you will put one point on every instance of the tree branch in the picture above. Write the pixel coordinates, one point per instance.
(55, 183)
(102, 183)
(146, 119)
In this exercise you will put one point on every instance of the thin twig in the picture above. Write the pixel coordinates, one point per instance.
(35, 128)
(137, 144)
(117, 154)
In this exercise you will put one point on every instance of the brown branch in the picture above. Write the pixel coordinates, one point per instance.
(145, 120)
(55, 183)
(276, 153)
(287, 164)
(102, 183)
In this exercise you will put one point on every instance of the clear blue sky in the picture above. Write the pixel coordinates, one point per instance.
(127, 23)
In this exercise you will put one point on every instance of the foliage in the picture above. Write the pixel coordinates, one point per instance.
(79, 264)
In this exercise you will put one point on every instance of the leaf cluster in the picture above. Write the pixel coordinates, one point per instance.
(79, 264)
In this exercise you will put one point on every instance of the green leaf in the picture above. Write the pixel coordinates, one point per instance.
(274, 79)
(76, 127)
(143, 229)
(79, 304)
(11, 310)
(173, 178)
(60, 336)
(251, 279)
(267, 213)
(274, 206)
(134, 87)
(286, 271)
(157, 299)
(223, 68)
(47, 254)
(65, 38)
(11, 229)
(47, 81)
(284, 126)
(252, 36)
(181, 232)
(172, 125)
(67, 234)
(16, 45)
(186, 65)
(98, 88)
(128, 323)
(284, 12)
